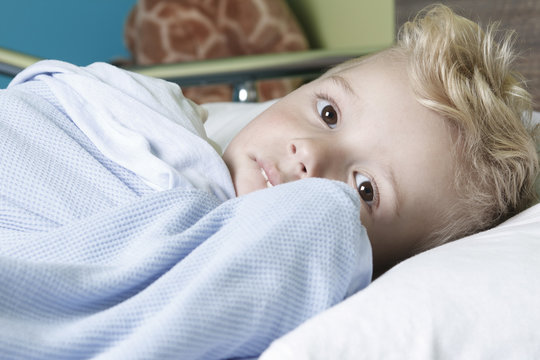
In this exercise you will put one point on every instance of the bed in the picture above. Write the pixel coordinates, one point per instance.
(475, 298)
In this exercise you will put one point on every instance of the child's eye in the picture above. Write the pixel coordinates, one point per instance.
(328, 113)
(365, 189)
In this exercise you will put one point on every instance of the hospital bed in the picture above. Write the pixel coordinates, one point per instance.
(474, 298)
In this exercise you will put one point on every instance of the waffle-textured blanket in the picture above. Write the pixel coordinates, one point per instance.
(94, 263)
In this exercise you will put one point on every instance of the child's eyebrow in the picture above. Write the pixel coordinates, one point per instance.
(344, 84)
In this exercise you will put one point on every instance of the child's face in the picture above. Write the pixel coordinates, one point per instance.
(361, 126)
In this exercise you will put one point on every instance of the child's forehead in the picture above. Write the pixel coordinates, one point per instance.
(374, 62)
(378, 83)
(376, 75)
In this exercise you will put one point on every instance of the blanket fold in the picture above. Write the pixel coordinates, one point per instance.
(136, 121)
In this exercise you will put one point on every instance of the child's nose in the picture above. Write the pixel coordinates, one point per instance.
(309, 158)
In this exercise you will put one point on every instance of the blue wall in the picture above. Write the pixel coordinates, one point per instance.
(77, 31)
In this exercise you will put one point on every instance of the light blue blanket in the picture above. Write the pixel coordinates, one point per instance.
(95, 264)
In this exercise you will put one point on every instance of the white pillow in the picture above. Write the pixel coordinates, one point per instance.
(475, 298)
(226, 119)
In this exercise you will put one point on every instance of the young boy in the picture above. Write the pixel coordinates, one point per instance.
(428, 134)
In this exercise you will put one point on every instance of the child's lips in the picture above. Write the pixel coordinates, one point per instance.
(268, 183)
(270, 174)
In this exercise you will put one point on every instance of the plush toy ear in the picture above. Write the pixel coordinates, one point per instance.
(170, 31)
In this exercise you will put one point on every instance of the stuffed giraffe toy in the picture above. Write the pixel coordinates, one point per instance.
(168, 31)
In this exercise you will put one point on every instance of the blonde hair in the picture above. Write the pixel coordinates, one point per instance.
(465, 74)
